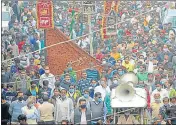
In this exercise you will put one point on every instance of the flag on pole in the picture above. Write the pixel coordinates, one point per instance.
(72, 23)
(117, 6)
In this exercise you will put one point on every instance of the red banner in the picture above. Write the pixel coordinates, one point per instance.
(45, 14)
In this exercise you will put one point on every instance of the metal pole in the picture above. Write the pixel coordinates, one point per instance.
(142, 116)
(114, 110)
(45, 51)
(90, 34)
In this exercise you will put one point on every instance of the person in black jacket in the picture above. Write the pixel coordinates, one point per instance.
(82, 115)
(5, 116)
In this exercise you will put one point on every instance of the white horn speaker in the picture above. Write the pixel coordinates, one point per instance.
(125, 92)
(125, 95)
(129, 78)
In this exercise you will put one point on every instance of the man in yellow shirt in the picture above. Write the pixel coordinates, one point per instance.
(115, 54)
(126, 63)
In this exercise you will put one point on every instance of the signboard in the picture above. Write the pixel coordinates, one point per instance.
(45, 14)
(88, 7)
(111, 21)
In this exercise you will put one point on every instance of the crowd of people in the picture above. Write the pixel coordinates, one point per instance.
(145, 46)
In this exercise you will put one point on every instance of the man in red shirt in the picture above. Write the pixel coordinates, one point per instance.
(31, 67)
(22, 43)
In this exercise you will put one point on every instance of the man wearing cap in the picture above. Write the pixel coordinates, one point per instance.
(163, 93)
(63, 108)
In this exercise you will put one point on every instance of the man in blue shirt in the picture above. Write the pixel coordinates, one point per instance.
(83, 82)
(15, 108)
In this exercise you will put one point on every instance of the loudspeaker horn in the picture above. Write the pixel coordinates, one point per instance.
(125, 92)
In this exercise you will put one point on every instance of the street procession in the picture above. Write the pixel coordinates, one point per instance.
(97, 62)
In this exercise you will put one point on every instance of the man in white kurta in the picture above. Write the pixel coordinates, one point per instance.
(102, 88)
(63, 108)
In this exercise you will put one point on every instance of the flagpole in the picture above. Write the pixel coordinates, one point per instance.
(90, 34)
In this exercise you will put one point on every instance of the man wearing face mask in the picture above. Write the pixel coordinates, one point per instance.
(73, 94)
(82, 115)
(98, 108)
(63, 108)
(22, 81)
(48, 76)
(102, 88)
(15, 108)
(120, 71)
(127, 118)
(163, 93)
(33, 90)
(86, 97)
(31, 112)
(114, 83)
(93, 85)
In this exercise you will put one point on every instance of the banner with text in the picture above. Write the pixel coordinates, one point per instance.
(45, 14)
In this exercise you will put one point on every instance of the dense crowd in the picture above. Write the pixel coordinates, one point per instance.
(142, 45)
